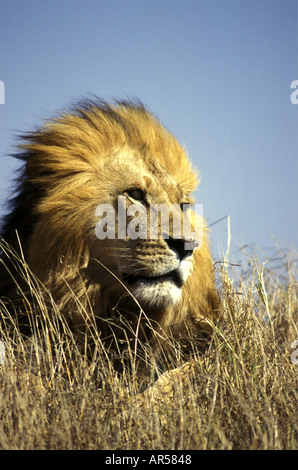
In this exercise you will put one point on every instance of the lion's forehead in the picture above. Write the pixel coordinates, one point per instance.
(129, 169)
(164, 183)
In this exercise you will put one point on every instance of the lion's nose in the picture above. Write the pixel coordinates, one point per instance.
(182, 247)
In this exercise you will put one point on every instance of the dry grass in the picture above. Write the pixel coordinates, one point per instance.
(242, 394)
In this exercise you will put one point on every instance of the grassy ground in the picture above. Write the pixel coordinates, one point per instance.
(242, 394)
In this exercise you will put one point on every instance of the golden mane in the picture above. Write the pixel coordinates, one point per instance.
(73, 163)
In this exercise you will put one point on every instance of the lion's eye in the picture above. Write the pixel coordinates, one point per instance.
(136, 194)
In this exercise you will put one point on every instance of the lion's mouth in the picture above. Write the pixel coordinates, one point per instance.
(172, 276)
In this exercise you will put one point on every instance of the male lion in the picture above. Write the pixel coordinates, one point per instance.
(136, 288)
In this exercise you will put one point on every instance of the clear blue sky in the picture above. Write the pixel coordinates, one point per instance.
(216, 72)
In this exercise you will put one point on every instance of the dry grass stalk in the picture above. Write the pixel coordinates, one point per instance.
(241, 394)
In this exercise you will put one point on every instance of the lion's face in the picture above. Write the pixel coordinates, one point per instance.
(151, 252)
(100, 219)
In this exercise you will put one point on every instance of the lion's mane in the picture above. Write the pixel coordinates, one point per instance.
(69, 169)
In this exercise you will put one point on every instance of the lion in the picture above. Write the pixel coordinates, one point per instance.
(137, 289)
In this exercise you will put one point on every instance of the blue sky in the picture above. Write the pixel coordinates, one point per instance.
(216, 72)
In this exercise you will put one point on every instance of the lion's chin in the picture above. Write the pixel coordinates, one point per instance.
(171, 277)
(156, 294)
(161, 290)
(156, 291)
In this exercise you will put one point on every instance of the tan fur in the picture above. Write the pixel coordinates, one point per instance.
(90, 156)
